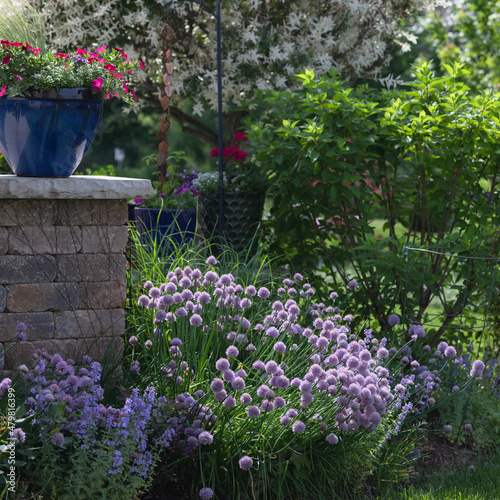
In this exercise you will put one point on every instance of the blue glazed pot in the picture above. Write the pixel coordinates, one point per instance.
(47, 134)
(166, 229)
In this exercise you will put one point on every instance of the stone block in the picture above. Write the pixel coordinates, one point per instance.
(39, 325)
(89, 323)
(43, 297)
(92, 212)
(27, 269)
(104, 348)
(91, 267)
(4, 240)
(27, 212)
(44, 240)
(3, 298)
(104, 239)
(103, 295)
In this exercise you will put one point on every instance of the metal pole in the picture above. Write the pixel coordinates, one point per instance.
(220, 133)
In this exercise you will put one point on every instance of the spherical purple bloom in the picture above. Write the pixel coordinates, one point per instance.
(353, 284)
(271, 367)
(143, 301)
(259, 365)
(393, 320)
(222, 364)
(217, 385)
(298, 427)
(148, 344)
(245, 399)
(232, 352)
(229, 402)
(468, 428)
(195, 320)
(332, 438)
(205, 438)
(279, 347)
(382, 353)
(365, 355)
(133, 340)
(176, 342)
(211, 260)
(272, 332)
(284, 420)
(263, 293)
(477, 369)
(245, 463)
(228, 375)
(305, 386)
(253, 411)
(238, 384)
(134, 367)
(206, 493)
(448, 430)
(154, 292)
(57, 439)
(450, 352)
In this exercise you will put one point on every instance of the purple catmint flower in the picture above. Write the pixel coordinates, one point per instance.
(263, 293)
(206, 493)
(245, 463)
(205, 438)
(253, 411)
(18, 434)
(222, 364)
(298, 427)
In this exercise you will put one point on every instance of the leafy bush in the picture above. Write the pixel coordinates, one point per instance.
(423, 160)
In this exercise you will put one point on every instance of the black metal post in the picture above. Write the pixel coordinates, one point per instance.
(220, 125)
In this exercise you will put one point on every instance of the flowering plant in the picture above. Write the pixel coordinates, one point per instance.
(179, 191)
(241, 173)
(25, 69)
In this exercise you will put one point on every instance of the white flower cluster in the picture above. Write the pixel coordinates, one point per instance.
(208, 182)
(262, 48)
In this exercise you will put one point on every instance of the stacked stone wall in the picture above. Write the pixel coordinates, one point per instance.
(62, 273)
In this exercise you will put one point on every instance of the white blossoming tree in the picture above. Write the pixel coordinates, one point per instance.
(265, 44)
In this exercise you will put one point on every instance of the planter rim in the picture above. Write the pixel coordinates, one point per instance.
(63, 94)
(167, 209)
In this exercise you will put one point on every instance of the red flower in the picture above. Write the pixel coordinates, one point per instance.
(97, 84)
(125, 88)
(117, 75)
(61, 55)
(2, 92)
(101, 49)
(122, 52)
(240, 136)
(214, 152)
(133, 93)
(141, 65)
(109, 67)
(82, 52)
(239, 155)
(7, 59)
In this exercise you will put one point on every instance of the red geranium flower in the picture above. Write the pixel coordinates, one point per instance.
(240, 136)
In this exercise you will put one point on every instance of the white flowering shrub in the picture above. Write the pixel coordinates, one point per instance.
(264, 44)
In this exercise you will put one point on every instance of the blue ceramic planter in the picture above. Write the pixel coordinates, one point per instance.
(164, 228)
(47, 134)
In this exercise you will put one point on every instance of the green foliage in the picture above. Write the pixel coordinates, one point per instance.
(424, 158)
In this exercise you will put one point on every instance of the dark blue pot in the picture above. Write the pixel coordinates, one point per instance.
(165, 229)
(47, 134)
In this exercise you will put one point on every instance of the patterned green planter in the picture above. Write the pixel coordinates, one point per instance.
(242, 215)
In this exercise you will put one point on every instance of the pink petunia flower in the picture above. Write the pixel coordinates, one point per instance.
(97, 84)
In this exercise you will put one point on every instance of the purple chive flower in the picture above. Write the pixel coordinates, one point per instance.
(217, 385)
(211, 260)
(298, 427)
(205, 438)
(263, 293)
(382, 353)
(134, 367)
(250, 291)
(143, 301)
(393, 320)
(222, 364)
(448, 430)
(206, 493)
(245, 399)
(253, 411)
(229, 402)
(245, 463)
(148, 344)
(133, 340)
(195, 320)
(279, 347)
(332, 438)
(353, 284)
(468, 428)
(57, 439)
(450, 352)
(259, 365)
(238, 384)
(232, 352)
(477, 369)
(271, 367)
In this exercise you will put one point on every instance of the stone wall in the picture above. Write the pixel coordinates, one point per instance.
(62, 273)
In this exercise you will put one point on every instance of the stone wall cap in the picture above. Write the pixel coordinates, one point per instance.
(78, 187)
